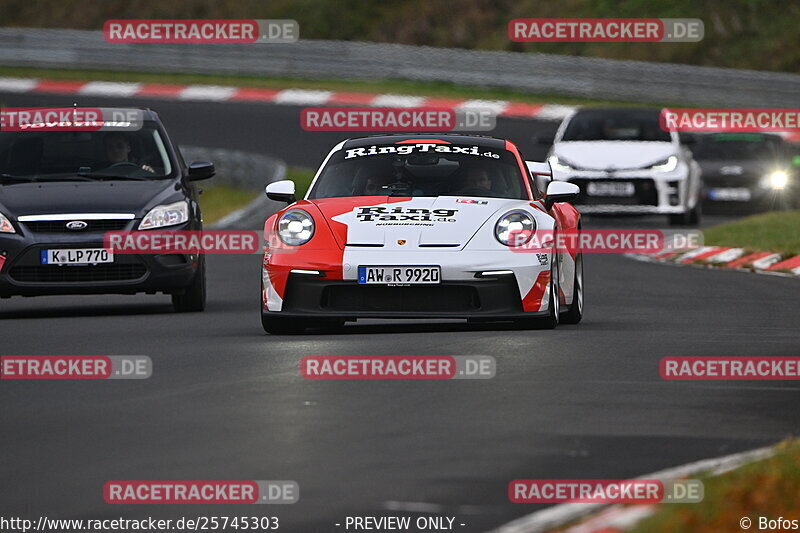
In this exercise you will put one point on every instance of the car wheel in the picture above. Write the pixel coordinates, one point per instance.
(193, 298)
(575, 312)
(689, 218)
(554, 305)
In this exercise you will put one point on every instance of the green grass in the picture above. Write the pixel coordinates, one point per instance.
(404, 87)
(767, 488)
(302, 179)
(219, 200)
(777, 231)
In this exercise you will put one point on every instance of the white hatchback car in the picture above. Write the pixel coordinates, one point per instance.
(624, 163)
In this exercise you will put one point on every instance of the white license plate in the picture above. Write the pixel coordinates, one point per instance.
(399, 275)
(730, 194)
(77, 256)
(610, 188)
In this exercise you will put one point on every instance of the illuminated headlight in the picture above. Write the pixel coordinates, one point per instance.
(5, 225)
(778, 180)
(515, 228)
(667, 165)
(296, 227)
(166, 215)
(559, 164)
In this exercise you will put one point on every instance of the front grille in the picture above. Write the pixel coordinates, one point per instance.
(645, 192)
(70, 274)
(430, 298)
(60, 226)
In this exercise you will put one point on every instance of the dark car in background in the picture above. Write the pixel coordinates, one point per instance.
(61, 191)
(746, 171)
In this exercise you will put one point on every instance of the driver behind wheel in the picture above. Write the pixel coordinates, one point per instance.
(118, 149)
(477, 183)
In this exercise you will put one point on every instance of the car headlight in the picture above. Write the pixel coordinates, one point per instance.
(5, 225)
(667, 165)
(162, 216)
(515, 228)
(559, 164)
(778, 180)
(295, 227)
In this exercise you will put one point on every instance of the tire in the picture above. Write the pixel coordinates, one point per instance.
(689, 218)
(193, 299)
(575, 312)
(275, 325)
(554, 305)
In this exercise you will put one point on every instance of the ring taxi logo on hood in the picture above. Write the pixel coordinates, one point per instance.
(418, 148)
(404, 214)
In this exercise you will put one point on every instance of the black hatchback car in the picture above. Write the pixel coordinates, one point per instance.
(60, 191)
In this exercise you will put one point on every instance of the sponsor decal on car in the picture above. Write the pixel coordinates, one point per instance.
(404, 214)
(428, 148)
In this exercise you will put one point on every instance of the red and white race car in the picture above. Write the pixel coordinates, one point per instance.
(421, 226)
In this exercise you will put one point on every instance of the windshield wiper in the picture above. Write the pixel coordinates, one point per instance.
(15, 177)
(109, 176)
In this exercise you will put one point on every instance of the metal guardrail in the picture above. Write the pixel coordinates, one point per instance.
(635, 81)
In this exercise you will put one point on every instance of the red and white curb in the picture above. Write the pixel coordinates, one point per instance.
(613, 518)
(729, 258)
(295, 97)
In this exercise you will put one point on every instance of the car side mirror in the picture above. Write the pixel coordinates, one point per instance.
(201, 170)
(560, 191)
(281, 191)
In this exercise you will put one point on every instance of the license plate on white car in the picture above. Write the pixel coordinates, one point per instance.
(77, 256)
(610, 188)
(399, 275)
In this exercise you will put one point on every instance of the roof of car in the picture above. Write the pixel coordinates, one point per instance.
(476, 140)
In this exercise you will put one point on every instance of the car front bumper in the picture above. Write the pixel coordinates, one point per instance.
(22, 273)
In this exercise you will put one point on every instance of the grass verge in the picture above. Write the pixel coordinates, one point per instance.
(302, 179)
(767, 488)
(219, 200)
(776, 231)
(405, 87)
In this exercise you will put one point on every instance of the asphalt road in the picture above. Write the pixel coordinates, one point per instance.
(226, 401)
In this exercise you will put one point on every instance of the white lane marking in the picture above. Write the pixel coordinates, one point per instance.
(397, 100)
(558, 515)
(18, 85)
(727, 256)
(215, 93)
(554, 112)
(302, 97)
(107, 88)
(495, 106)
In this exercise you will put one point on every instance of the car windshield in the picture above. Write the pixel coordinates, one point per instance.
(736, 147)
(421, 169)
(139, 154)
(615, 125)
